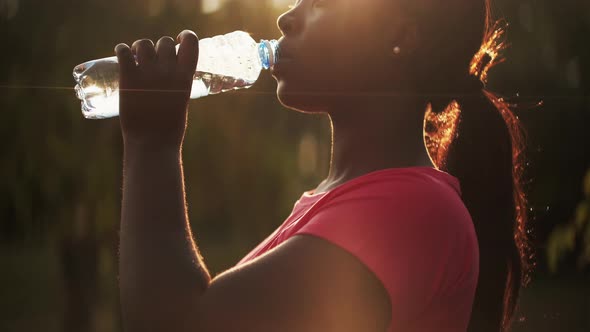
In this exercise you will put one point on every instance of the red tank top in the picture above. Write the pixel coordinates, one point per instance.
(410, 227)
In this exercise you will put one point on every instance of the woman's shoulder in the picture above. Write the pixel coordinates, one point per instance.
(419, 184)
(394, 201)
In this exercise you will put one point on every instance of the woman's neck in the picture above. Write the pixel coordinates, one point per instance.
(374, 138)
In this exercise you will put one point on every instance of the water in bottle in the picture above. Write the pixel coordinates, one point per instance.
(227, 62)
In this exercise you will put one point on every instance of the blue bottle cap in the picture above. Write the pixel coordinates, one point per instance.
(269, 53)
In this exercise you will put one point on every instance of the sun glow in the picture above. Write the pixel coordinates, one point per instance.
(282, 4)
(211, 6)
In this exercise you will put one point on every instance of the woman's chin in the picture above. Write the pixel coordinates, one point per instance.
(298, 100)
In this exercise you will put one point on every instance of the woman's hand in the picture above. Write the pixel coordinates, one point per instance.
(154, 92)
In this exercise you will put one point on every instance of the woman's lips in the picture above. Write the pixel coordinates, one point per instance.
(285, 58)
(281, 65)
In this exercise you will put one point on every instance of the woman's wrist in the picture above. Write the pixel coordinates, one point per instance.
(150, 148)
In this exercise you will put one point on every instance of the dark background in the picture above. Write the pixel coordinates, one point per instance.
(246, 158)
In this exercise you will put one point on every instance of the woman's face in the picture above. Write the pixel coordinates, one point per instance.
(332, 50)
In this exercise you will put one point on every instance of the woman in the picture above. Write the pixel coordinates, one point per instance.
(419, 225)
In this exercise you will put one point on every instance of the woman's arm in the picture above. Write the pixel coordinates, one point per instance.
(160, 266)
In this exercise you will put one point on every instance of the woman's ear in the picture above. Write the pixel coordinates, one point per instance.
(405, 38)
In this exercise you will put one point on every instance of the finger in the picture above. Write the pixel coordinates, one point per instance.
(145, 52)
(188, 52)
(166, 52)
(125, 58)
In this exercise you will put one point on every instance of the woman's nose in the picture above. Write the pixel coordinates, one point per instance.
(286, 23)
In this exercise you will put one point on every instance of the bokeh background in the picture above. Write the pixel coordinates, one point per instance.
(246, 158)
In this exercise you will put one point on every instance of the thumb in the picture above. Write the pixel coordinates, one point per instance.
(188, 53)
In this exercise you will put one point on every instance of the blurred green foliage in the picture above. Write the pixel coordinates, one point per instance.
(564, 237)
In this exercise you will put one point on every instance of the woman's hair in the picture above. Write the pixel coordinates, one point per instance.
(476, 137)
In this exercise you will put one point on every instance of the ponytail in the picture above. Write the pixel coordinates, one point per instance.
(478, 139)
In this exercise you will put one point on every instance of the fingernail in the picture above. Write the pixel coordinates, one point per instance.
(183, 31)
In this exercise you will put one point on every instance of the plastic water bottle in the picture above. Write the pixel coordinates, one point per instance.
(227, 62)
